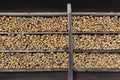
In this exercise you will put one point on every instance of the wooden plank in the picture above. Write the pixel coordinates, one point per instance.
(96, 76)
(34, 76)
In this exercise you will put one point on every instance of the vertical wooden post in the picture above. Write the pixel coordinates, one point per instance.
(70, 34)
